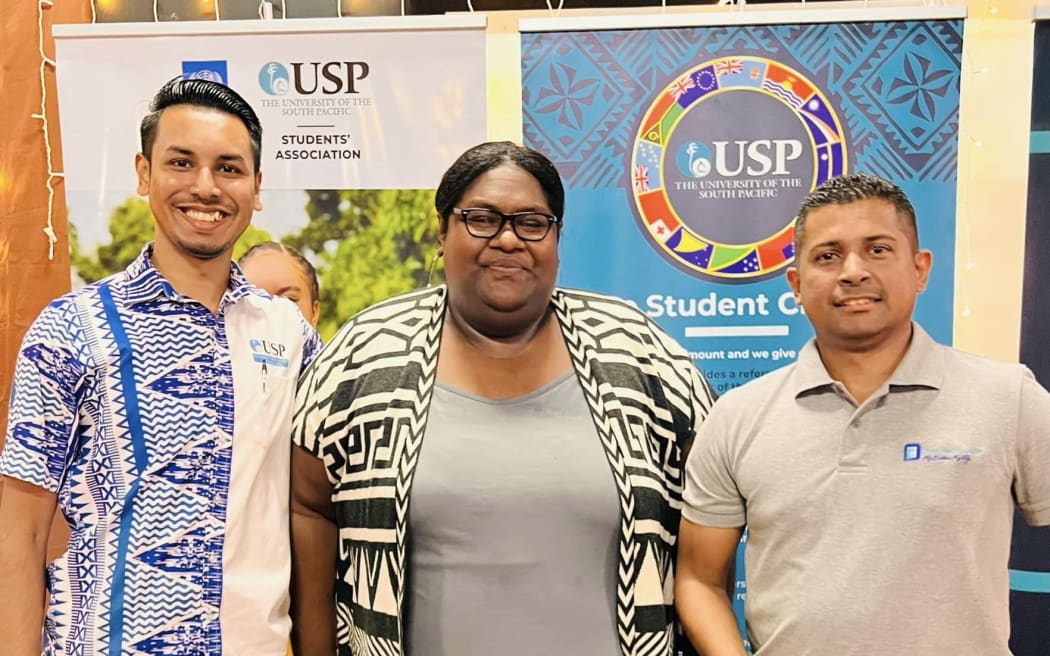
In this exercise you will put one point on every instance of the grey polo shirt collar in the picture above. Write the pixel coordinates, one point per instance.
(922, 366)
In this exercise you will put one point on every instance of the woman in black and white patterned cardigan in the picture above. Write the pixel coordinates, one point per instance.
(493, 465)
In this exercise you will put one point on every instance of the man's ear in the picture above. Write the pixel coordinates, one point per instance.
(258, 186)
(142, 171)
(795, 281)
(923, 264)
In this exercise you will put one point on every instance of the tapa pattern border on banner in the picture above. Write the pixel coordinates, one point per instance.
(896, 93)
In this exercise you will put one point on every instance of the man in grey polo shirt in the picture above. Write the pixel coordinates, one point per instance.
(877, 475)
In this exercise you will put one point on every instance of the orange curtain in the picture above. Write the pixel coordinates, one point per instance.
(28, 279)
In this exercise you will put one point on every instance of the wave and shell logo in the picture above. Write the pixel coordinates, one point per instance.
(274, 79)
(722, 160)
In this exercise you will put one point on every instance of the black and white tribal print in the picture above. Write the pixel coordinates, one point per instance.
(362, 407)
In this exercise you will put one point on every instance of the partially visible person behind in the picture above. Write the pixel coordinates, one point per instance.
(492, 466)
(281, 270)
(154, 409)
(877, 475)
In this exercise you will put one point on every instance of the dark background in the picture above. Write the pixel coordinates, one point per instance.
(1030, 612)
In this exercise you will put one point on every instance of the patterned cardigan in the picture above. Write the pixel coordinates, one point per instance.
(362, 408)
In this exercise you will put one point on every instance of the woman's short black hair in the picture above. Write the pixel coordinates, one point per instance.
(487, 156)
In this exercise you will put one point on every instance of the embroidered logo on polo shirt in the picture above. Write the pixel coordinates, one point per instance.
(269, 353)
(914, 452)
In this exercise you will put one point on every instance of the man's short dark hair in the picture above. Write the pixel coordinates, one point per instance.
(201, 93)
(487, 156)
(851, 189)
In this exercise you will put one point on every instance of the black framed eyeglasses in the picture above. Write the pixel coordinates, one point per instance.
(484, 223)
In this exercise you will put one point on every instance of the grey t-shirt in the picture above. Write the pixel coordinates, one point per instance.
(514, 529)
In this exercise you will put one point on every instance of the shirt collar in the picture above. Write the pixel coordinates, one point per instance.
(239, 287)
(143, 283)
(922, 365)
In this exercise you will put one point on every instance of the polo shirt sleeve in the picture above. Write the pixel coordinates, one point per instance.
(45, 394)
(1031, 483)
(711, 495)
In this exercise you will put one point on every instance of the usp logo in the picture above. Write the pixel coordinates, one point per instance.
(274, 79)
(310, 78)
(722, 160)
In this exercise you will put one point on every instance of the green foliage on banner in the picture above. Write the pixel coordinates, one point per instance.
(369, 245)
(130, 227)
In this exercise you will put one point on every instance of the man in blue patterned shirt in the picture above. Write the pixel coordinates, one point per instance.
(154, 409)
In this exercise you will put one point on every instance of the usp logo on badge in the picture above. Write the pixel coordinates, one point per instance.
(722, 160)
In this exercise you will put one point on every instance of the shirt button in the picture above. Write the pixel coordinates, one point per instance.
(855, 423)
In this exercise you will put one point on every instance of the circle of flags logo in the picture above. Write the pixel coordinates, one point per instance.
(708, 258)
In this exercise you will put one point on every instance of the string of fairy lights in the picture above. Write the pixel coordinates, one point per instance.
(52, 174)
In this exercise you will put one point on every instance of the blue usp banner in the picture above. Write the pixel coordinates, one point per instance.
(687, 150)
(1030, 556)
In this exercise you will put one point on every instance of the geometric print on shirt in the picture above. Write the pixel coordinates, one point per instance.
(362, 407)
(123, 406)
